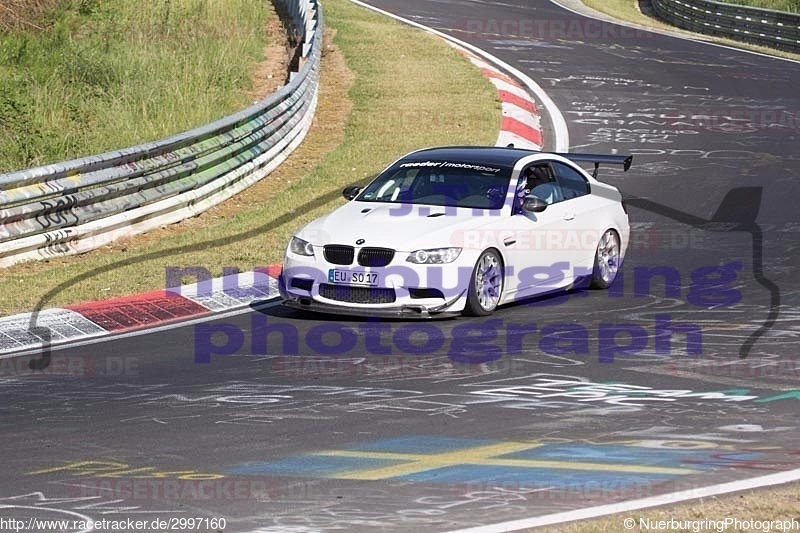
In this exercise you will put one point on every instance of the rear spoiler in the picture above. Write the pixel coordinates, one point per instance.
(624, 160)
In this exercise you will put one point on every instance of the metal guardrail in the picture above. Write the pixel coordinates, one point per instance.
(765, 27)
(79, 205)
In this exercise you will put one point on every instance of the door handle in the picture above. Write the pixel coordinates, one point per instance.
(569, 216)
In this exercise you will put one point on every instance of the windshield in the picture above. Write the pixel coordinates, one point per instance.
(440, 183)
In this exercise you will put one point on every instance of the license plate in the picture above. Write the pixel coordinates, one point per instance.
(348, 277)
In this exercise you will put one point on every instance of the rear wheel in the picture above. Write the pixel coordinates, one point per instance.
(606, 260)
(486, 285)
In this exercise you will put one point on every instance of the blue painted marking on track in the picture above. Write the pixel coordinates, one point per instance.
(332, 466)
(533, 477)
(702, 459)
(423, 444)
(610, 454)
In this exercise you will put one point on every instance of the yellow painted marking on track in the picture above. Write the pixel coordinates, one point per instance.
(480, 455)
(114, 469)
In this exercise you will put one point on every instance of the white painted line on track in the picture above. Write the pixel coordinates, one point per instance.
(634, 505)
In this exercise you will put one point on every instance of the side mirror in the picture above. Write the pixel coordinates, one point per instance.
(351, 191)
(534, 204)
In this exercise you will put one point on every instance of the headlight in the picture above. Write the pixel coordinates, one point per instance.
(301, 247)
(434, 256)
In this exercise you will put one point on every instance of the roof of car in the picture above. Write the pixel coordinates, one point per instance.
(506, 157)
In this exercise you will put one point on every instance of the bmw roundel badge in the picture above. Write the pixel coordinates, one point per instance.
(360, 241)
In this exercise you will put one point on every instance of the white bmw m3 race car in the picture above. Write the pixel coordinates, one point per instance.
(455, 230)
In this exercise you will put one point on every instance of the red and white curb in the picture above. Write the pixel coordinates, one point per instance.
(521, 125)
(139, 311)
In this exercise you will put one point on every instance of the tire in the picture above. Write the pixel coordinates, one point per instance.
(606, 260)
(485, 284)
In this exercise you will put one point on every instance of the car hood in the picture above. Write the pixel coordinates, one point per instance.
(402, 227)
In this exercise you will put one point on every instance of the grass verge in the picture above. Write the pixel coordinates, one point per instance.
(372, 109)
(92, 76)
(628, 10)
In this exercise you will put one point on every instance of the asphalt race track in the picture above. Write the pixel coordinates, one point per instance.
(683, 376)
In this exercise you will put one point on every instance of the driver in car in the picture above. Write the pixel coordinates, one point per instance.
(535, 181)
(540, 185)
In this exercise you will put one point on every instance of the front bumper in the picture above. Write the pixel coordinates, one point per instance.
(408, 312)
(305, 284)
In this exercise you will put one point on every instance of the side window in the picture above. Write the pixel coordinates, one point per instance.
(572, 182)
(540, 182)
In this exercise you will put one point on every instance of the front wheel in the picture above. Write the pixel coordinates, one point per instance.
(606, 260)
(486, 285)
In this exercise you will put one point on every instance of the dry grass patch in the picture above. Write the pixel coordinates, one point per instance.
(24, 14)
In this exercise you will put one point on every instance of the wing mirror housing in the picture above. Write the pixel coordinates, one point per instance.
(534, 204)
(351, 191)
